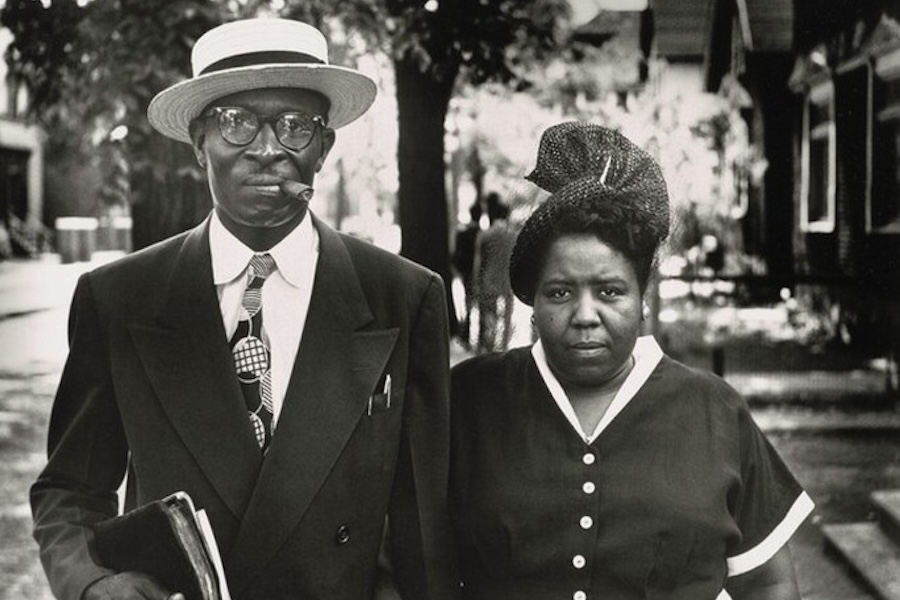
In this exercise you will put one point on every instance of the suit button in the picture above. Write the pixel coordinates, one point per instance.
(343, 535)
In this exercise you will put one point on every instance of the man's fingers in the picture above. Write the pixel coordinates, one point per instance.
(151, 589)
(129, 586)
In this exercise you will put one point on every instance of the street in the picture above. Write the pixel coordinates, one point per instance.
(29, 369)
(839, 464)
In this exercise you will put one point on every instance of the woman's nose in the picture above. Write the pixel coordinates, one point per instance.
(586, 311)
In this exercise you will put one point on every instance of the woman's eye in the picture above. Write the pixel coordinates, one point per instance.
(558, 293)
(610, 292)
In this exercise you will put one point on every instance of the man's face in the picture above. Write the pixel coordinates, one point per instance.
(244, 180)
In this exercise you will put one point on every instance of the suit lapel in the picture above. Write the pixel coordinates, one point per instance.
(185, 355)
(336, 370)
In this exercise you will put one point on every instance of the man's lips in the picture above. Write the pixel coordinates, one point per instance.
(263, 180)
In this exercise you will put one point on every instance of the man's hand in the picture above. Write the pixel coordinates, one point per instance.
(129, 586)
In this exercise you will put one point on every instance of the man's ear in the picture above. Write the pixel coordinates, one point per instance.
(198, 141)
(328, 138)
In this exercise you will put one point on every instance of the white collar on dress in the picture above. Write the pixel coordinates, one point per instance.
(294, 255)
(647, 355)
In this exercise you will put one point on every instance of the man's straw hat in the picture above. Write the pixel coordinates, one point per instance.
(254, 54)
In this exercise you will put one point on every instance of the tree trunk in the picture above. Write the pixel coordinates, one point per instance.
(422, 103)
(167, 200)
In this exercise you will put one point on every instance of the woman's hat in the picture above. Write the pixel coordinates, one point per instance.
(596, 171)
(254, 54)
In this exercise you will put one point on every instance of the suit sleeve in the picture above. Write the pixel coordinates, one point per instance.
(87, 456)
(420, 542)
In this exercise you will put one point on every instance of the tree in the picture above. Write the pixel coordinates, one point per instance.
(94, 68)
(435, 46)
(91, 71)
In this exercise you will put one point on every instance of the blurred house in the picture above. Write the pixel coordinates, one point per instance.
(744, 48)
(21, 168)
(815, 199)
(824, 78)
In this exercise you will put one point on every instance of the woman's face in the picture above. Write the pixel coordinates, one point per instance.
(587, 310)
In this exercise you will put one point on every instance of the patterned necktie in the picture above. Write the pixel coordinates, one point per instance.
(252, 354)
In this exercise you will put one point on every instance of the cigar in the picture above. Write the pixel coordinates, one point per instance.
(297, 190)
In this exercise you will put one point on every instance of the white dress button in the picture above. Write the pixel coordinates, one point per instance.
(586, 522)
(588, 458)
(588, 487)
(579, 595)
(578, 561)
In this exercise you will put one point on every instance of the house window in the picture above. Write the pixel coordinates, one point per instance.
(882, 201)
(818, 177)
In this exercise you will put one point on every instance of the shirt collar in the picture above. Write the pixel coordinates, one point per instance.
(293, 254)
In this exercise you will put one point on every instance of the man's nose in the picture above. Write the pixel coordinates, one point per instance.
(265, 147)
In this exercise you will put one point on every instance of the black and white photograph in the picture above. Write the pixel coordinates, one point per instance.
(450, 300)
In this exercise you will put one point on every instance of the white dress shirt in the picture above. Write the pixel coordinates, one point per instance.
(285, 295)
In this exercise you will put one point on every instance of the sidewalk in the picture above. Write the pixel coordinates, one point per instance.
(44, 283)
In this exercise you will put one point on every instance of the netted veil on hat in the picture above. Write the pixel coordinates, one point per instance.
(596, 171)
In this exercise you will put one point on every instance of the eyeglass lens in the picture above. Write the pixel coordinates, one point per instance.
(240, 126)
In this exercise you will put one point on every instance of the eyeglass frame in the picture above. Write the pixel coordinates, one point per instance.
(216, 111)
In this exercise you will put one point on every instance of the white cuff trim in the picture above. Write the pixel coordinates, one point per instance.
(762, 552)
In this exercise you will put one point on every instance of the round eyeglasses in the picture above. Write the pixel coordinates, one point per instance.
(239, 126)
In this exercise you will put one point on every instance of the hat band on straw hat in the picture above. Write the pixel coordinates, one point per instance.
(259, 54)
(257, 58)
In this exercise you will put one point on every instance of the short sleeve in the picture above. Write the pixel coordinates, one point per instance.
(768, 506)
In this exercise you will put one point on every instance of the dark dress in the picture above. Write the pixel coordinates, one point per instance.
(679, 491)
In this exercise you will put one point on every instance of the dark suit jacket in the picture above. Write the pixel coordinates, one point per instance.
(149, 389)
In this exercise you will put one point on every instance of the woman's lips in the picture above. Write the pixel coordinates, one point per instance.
(587, 349)
(587, 345)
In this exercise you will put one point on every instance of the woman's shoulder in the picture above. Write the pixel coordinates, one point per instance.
(485, 387)
(493, 374)
(689, 382)
(490, 363)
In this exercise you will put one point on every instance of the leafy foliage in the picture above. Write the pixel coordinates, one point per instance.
(92, 68)
(492, 40)
(96, 67)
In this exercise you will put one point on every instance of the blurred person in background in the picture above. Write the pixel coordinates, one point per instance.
(463, 263)
(291, 379)
(491, 278)
(591, 465)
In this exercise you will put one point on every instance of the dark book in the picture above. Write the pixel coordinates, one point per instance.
(169, 540)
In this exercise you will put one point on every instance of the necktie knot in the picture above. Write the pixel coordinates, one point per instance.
(261, 265)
